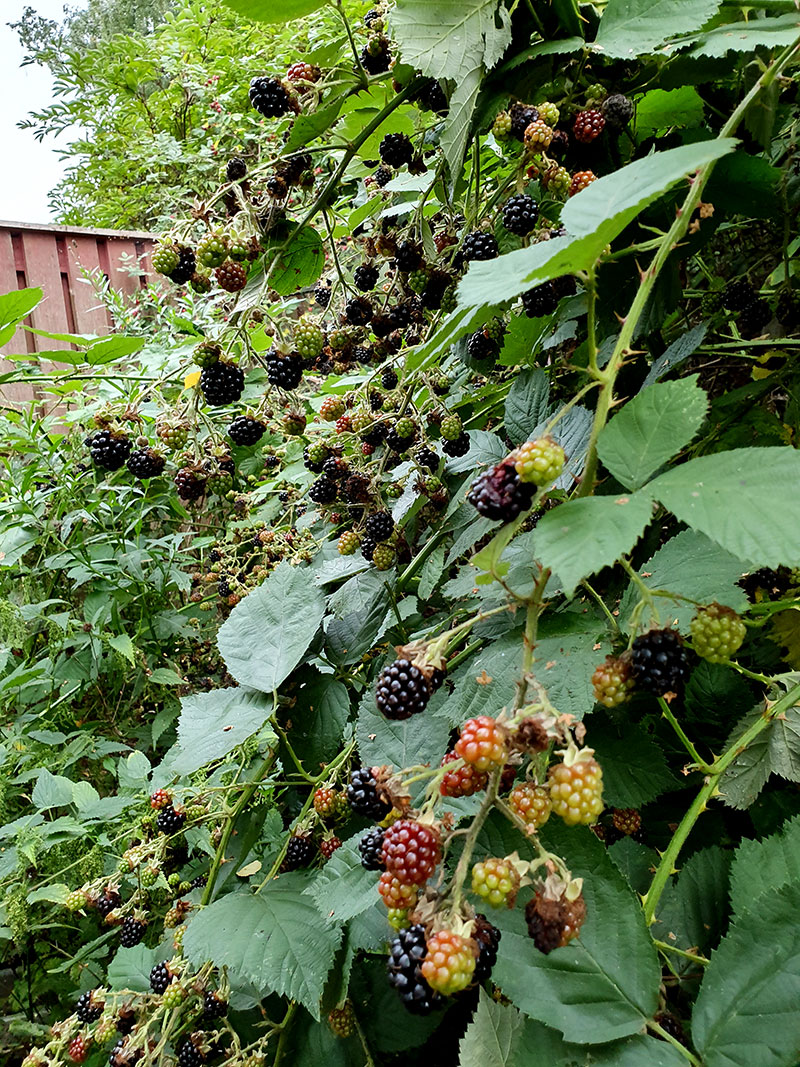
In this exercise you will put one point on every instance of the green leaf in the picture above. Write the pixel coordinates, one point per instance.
(457, 124)
(761, 866)
(51, 790)
(566, 653)
(122, 643)
(212, 724)
(662, 109)
(677, 352)
(109, 349)
(276, 940)
(428, 32)
(455, 326)
(581, 537)
(746, 1011)
(343, 888)
(635, 770)
(484, 684)
(300, 264)
(492, 1037)
(526, 404)
(693, 910)
(740, 37)
(165, 676)
(17, 305)
(431, 573)
(708, 494)
(776, 750)
(274, 10)
(602, 986)
(319, 713)
(401, 744)
(652, 428)
(635, 861)
(593, 219)
(130, 968)
(306, 127)
(267, 634)
(632, 27)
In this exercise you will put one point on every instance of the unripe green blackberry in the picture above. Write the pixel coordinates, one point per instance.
(239, 249)
(206, 353)
(342, 1020)
(165, 259)
(539, 462)
(200, 282)
(556, 180)
(383, 557)
(309, 339)
(496, 881)
(417, 280)
(717, 633)
(451, 427)
(174, 996)
(405, 427)
(501, 127)
(398, 918)
(549, 113)
(175, 435)
(212, 251)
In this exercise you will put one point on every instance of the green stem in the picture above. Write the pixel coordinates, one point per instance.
(666, 711)
(284, 1033)
(674, 1042)
(465, 858)
(680, 952)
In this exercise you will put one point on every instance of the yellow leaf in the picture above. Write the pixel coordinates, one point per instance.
(191, 379)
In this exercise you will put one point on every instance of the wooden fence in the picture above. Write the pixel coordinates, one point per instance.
(52, 258)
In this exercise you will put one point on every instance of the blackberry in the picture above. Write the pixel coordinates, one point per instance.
(617, 110)
(109, 450)
(335, 467)
(380, 525)
(232, 277)
(370, 847)
(323, 491)
(753, 318)
(433, 295)
(588, 125)
(235, 170)
(212, 251)
(554, 922)
(488, 939)
(364, 277)
(357, 489)
(165, 259)
(131, 932)
(738, 294)
(396, 150)
(363, 798)
(222, 383)
(521, 116)
(788, 311)
(269, 97)
(538, 137)
(402, 690)
(372, 17)
(426, 457)
(126, 1020)
(109, 900)
(187, 265)
(189, 484)
(199, 881)
(520, 213)
(399, 443)
(479, 245)
(376, 57)
(244, 430)
(459, 447)
(368, 546)
(160, 978)
(315, 455)
(408, 258)
(406, 954)
(214, 1006)
(299, 852)
(389, 378)
(145, 463)
(87, 1009)
(481, 345)
(659, 662)
(498, 493)
(432, 97)
(284, 371)
(170, 821)
(541, 300)
(189, 1055)
(382, 176)
(322, 295)
(358, 311)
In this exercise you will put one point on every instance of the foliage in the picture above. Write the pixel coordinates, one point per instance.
(556, 470)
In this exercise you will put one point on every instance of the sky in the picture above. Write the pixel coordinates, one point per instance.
(30, 168)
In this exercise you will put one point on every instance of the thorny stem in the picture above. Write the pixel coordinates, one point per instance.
(465, 858)
(364, 78)
(535, 605)
(666, 711)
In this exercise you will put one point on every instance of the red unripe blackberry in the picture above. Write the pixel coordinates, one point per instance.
(245, 431)
(520, 117)
(396, 150)
(498, 493)
(109, 450)
(462, 781)
(371, 847)
(717, 633)
(487, 938)
(328, 845)
(612, 682)
(531, 802)
(449, 963)
(305, 72)
(222, 383)
(325, 801)
(553, 923)
(332, 408)
(269, 97)
(588, 126)
(131, 932)
(365, 276)
(145, 463)
(284, 371)
(363, 797)
(580, 179)
(342, 1020)
(160, 977)
(78, 1048)
(482, 743)
(394, 892)
(231, 276)
(300, 851)
(406, 953)
(411, 850)
(659, 662)
(538, 136)
(89, 1007)
(170, 821)
(627, 821)
(459, 447)
(479, 245)
(576, 789)
(617, 110)
(189, 484)
(520, 213)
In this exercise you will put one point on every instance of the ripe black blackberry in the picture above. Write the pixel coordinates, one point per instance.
(376, 57)
(88, 1009)
(370, 847)
(379, 526)
(521, 115)
(300, 851)
(145, 463)
(223, 586)
(382, 176)
(371, 17)
(402, 690)
(108, 900)
(498, 493)
(617, 110)
(753, 318)
(269, 97)
(245, 431)
(236, 169)
(433, 294)
(222, 383)
(481, 345)
(187, 265)
(432, 97)
(358, 311)
(170, 821)
(189, 484)
(396, 149)
(131, 932)
(457, 448)
(364, 277)
(363, 798)
(322, 295)
(214, 1006)
(389, 378)
(520, 213)
(408, 258)
(126, 1020)
(284, 371)
(541, 300)
(479, 245)
(335, 468)
(108, 450)
(123, 1056)
(426, 457)
(189, 1055)
(399, 443)
(738, 294)
(659, 662)
(368, 546)
(323, 491)
(160, 977)
(406, 953)
(488, 938)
